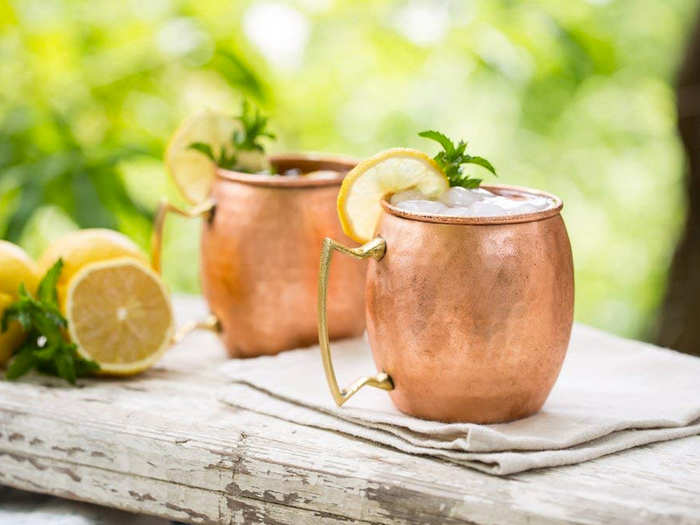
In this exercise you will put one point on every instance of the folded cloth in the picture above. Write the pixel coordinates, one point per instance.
(613, 394)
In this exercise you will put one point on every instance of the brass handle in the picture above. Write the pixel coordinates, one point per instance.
(210, 323)
(375, 249)
(204, 209)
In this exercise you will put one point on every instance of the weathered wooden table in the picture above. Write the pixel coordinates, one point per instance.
(19, 507)
(162, 444)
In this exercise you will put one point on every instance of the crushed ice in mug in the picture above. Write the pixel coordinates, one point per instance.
(463, 202)
(296, 173)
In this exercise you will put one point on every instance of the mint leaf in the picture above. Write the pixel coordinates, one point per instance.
(452, 159)
(204, 148)
(254, 128)
(46, 292)
(481, 161)
(23, 293)
(247, 138)
(65, 367)
(22, 363)
(440, 138)
(85, 367)
(17, 311)
(226, 161)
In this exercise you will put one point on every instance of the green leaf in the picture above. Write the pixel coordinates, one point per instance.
(240, 75)
(254, 127)
(92, 210)
(16, 312)
(452, 159)
(46, 292)
(45, 347)
(65, 367)
(23, 293)
(440, 138)
(22, 363)
(85, 367)
(30, 199)
(481, 161)
(469, 183)
(204, 148)
(48, 353)
(228, 162)
(460, 148)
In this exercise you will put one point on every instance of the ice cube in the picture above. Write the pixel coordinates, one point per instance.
(523, 208)
(487, 208)
(422, 207)
(511, 206)
(408, 195)
(457, 196)
(321, 174)
(459, 211)
(539, 203)
(504, 203)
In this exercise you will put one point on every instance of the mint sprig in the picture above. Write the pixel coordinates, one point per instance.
(253, 128)
(224, 160)
(46, 347)
(452, 158)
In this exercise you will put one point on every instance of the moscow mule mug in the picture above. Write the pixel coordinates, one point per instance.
(259, 256)
(468, 318)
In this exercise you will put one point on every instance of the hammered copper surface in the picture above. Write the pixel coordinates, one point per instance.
(471, 317)
(260, 258)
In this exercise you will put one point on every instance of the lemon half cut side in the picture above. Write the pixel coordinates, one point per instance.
(119, 315)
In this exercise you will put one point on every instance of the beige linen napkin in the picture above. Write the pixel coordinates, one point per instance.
(613, 394)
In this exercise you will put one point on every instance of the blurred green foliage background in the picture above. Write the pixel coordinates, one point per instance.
(573, 97)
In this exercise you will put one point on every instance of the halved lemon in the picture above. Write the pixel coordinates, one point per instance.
(387, 172)
(83, 247)
(119, 314)
(16, 267)
(192, 171)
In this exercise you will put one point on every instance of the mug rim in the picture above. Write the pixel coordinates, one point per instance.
(277, 181)
(499, 189)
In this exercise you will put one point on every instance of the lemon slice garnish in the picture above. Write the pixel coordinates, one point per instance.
(192, 171)
(387, 172)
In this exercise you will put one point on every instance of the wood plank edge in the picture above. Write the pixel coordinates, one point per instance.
(145, 495)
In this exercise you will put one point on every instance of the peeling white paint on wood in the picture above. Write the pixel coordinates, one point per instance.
(162, 444)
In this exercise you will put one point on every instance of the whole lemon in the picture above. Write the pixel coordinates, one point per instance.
(83, 247)
(16, 267)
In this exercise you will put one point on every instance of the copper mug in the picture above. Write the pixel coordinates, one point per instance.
(468, 318)
(261, 236)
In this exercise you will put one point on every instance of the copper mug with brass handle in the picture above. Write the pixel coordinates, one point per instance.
(468, 318)
(203, 210)
(259, 255)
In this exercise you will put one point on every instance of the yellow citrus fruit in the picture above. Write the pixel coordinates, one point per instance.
(119, 315)
(83, 247)
(16, 267)
(192, 171)
(388, 172)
